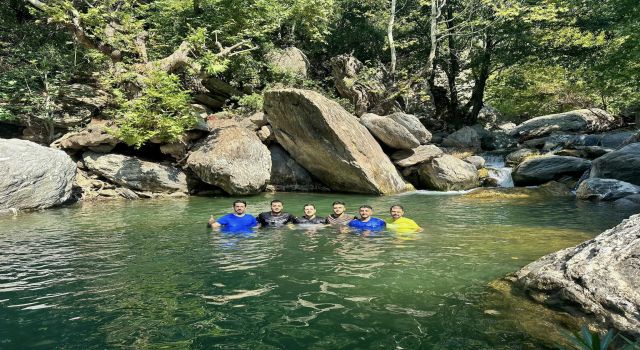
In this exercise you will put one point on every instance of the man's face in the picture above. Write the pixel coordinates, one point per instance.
(276, 207)
(396, 213)
(338, 209)
(309, 210)
(239, 208)
(365, 213)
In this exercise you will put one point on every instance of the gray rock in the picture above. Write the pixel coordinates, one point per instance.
(288, 175)
(622, 164)
(290, 60)
(581, 120)
(265, 134)
(97, 136)
(366, 93)
(631, 202)
(78, 103)
(514, 158)
(600, 277)
(448, 173)
(465, 138)
(632, 139)
(413, 125)
(476, 161)
(136, 174)
(593, 152)
(389, 132)
(232, 158)
(537, 171)
(605, 189)
(33, 176)
(330, 143)
(420, 154)
(615, 139)
(495, 140)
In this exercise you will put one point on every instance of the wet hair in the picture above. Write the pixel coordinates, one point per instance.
(309, 205)
(366, 206)
(276, 201)
(338, 202)
(239, 201)
(396, 206)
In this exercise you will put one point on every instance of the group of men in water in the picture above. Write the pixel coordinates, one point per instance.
(240, 220)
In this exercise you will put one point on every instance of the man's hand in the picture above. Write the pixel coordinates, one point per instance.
(212, 222)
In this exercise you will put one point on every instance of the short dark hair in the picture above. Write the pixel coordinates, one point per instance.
(366, 206)
(276, 201)
(309, 205)
(396, 206)
(338, 202)
(239, 201)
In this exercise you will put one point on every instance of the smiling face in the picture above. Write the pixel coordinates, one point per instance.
(338, 209)
(309, 210)
(239, 208)
(365, 213)
(396, 213)
(276, 207)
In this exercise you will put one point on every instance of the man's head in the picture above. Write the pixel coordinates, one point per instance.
(309, 210)
(397, 211)
(239, 206)
(365, 211)
(338, 208)
(276, 206)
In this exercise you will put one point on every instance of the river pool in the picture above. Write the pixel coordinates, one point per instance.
(149, 275)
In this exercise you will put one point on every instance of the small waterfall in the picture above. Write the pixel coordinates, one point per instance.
(497, 170)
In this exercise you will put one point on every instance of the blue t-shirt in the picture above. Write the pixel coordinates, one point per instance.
(372, 224)
(232, 223)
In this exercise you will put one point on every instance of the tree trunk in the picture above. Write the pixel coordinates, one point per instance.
(392, 46)
(477, 96)
(20, 10)
(453, 108)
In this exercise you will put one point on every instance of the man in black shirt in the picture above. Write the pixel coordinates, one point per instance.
(276, 217)
(309, 216)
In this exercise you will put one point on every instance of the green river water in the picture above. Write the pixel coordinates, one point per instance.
(149, 275)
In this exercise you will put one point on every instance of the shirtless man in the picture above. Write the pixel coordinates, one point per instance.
(276, 217)
(339, 217)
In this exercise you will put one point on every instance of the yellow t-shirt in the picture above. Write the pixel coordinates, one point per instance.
(403, 225)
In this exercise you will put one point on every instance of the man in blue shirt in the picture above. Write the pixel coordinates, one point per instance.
(366, 221)
(237, 221)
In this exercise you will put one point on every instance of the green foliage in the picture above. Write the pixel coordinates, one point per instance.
(160, 111)
(588, 340)
(253, 102)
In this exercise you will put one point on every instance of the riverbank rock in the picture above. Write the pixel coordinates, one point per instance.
(288, 175)
(413, 125)
(514, 158)
(465, 138)
(448, 173)
(420, 154)
(536, 171)
(605, 189)
(631, 202)
(330, 143)
(581, 120)
(232, 158)
(623, 164)
(33, 176)
(389, 132)
(600, 277)
(97, 136)
(136, 174)
(476, 161)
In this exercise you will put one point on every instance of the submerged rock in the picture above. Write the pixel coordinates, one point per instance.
(330, 143)
(581, 120)
(605, 189)
(536, 171)
(600, 277)
(623, 164)
(33, 176)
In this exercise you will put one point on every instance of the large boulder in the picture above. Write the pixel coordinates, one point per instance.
(420, 154)
(413, 125)
(33, 176)
(600, 277)
(288, 175)
(366, 92)
(465, 138)
(581, 120)
(623, 164)
(97, 136)
(232, 158)
(536, 171)
(290, 60)
(389, 131)
(136, 174)
(330, 143)
(448, 173)
(605, 189)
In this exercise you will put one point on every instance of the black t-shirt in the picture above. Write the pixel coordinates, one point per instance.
(305, 220)
(267, 219)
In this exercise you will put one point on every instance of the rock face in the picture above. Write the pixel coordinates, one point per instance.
(623, 164)
(420, 154)
(79, 102)
(448, 173)
(365, 93)
(33, 176)
(95, 137)
(288, 175)
(136, 174)
(290, 60)
(605, 189)
(600, 277)
(330, 143)
(537, 171)
(413, 125)
(467, 138)
(581, 120)
(232, 158)
(389, 132)
(476, 161)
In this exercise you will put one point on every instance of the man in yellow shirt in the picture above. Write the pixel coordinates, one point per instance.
(399, 222)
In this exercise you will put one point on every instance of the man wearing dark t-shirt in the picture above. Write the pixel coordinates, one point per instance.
(276, 217)
(309, 216)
